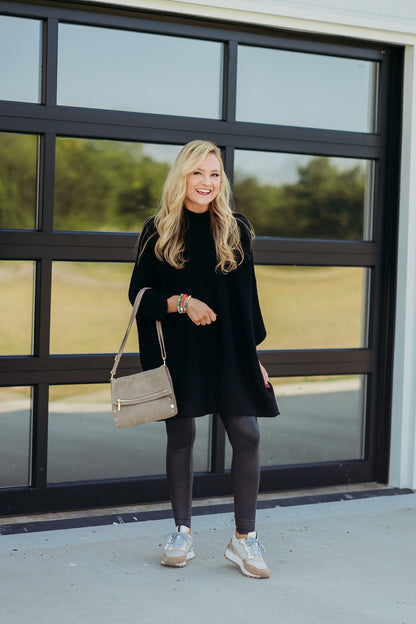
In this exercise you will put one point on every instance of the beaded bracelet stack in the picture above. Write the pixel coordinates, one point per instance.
(183, 303)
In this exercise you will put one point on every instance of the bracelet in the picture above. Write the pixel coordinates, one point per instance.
(185, 307)
(181, 305)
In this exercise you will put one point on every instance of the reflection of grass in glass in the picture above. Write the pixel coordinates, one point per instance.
(99, 272)
(97, 394)
(15, 394)
(321, 384)
(311, 307)
(16, 307)
(278, 381)
(303, 307)
(90, 308)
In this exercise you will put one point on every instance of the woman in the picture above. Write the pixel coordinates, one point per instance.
(196, 255)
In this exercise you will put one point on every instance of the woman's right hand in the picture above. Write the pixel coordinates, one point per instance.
(200, 313)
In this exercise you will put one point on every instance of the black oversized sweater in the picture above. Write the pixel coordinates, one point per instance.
(214, 367)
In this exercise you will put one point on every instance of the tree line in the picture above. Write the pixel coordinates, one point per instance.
(112, 186)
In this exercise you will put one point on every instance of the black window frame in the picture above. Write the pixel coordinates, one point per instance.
(45, 246)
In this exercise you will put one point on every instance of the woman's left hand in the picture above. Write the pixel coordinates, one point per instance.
(200, 313)
(265, 375)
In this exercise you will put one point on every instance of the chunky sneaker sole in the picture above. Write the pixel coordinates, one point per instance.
(249, 560)
(177, 562)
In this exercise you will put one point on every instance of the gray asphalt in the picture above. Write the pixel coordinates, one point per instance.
(349, 562)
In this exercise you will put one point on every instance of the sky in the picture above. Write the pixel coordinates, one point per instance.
(122, 70)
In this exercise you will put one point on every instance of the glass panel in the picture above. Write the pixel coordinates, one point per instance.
(16, 307)
(18, 180)
(313, 307)
(84, 444)
(15, 430)
(309, 429)
(20, 59)
(307, 90)
(298, 196)
(90, 309)
(108, 185)
(132, 71)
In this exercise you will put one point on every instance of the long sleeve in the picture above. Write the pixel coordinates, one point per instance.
(258, 323)
(154, 302)
(246, 241)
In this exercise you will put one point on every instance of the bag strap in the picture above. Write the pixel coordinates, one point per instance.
(134, 311)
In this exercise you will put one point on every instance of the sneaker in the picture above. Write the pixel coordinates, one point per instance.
(247, 554)
(179, 548)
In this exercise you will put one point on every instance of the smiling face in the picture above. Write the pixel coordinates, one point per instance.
(203, 184)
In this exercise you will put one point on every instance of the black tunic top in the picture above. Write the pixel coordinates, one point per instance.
(214, 367)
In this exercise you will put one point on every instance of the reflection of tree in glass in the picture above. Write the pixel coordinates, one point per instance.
(115, 186)
(18, 165)
(325, 202)
(105, 185)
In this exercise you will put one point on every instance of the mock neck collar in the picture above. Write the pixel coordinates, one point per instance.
(197, 216)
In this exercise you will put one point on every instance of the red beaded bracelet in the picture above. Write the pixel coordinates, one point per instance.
(181, 305)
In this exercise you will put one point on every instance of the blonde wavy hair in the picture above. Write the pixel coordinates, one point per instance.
(170, 221)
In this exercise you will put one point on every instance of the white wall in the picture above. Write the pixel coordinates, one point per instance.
(390, 21)
(403, 438)
(393, 19)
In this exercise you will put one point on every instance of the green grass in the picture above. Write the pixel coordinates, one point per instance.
(303, 307)
(90, 308)
(311, 307)
(16, 302)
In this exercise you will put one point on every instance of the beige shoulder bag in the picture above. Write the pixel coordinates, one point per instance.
(142, 397)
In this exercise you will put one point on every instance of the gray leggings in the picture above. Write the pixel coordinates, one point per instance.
(243, 434)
